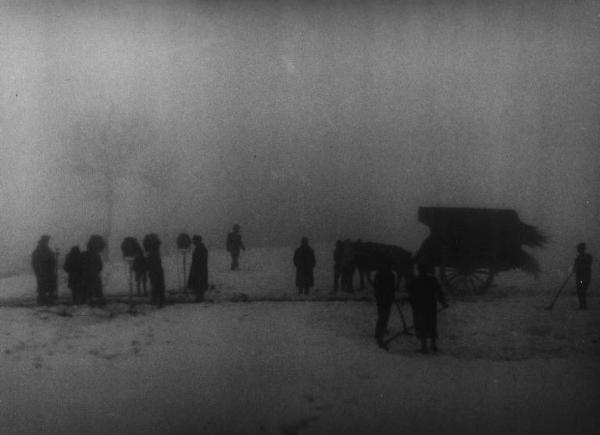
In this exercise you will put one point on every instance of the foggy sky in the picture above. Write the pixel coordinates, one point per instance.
(320, 118)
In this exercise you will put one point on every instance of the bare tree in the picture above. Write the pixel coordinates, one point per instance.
(103, 147)
(158, 172)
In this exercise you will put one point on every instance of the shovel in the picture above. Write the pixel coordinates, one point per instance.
(549, 307)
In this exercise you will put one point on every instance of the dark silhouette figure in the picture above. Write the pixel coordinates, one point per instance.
(234, 245)
(139, 268)
(384, 286)
(583, 274)
(43, 262)
(305, 262)
(337, 265)
(425, 292)
(91, 271)
(133, 253)
(198, 278)
(348, 265)
(73, 267)
(155, 270)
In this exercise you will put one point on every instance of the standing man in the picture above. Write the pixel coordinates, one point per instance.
(425, 292)
(583, 273)
(43, 261)
(198, 278)
(73, 268)
(91, 271)
(234, 244)
(305, 262)
(384, 285)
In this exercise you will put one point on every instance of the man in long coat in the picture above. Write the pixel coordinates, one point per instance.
(73, 268)
(305, 262)
(43, 261)
(198, 278)
(91, 271)
(234, 245)
(425, 292)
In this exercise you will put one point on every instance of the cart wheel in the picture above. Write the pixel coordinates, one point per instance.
(462, 280)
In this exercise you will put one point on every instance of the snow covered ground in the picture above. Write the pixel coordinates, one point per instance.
(281, 364)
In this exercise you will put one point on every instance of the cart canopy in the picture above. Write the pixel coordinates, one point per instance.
(478, 237)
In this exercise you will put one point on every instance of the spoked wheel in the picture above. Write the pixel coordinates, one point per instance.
(466, 280)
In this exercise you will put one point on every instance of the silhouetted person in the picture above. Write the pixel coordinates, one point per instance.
(337, 265)
(348, 265)
(155, 270)
(384, 286)
(43, 261)
(425, 292)
(305, 262)
(234, 245)
(74, 271)
(140, 270)
(198, 277)
(583, 273)
(91, 271)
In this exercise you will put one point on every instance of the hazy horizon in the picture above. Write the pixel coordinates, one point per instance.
(326, 119)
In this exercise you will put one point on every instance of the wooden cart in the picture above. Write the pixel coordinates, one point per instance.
(470, 245)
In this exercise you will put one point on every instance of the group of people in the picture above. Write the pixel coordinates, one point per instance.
(424, 293)
(85, 281)
(84, 269)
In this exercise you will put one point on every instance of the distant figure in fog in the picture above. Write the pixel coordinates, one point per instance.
(305, 262)
(43, 262)
(91, 271)
(140, 271)
(384, 286)
(74, 271)
(348, 265)
(198, 278)
(425, 292)
(582, 267)
(234, 244)
(155, 270)
(337, 265)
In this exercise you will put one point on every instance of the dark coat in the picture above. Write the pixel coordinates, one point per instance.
(305, 262)
(425, 292)
(91, 274)
(198, 278)
(139, 266)
(73, 268)
(155, 273)
(234, 243)
(583, 267)
(384, 286)
(43, 262)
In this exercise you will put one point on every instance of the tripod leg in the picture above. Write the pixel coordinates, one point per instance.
(405, 329)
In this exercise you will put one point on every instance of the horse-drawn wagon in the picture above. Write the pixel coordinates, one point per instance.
(471, 245)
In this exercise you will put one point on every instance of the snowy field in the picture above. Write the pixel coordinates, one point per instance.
(280, 364)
